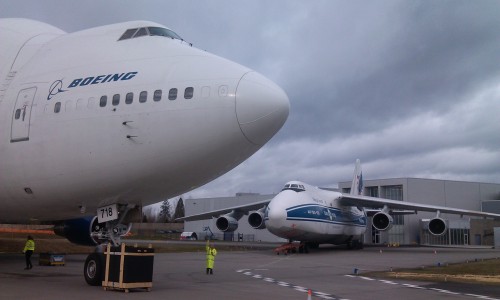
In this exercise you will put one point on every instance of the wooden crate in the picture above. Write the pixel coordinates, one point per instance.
(128, 268)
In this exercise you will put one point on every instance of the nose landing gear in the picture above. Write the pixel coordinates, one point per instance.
(112, 232)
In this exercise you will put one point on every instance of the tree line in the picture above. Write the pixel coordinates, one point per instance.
(165, 214)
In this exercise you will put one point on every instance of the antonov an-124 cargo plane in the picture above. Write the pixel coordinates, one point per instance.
(313, 216)
(106, 120)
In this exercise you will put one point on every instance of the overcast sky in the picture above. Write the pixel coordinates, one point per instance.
(412, 88)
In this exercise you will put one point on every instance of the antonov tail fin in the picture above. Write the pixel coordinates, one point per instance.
(357, 180)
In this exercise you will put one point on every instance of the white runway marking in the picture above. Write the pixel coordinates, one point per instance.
(298, 288)
(413, 286)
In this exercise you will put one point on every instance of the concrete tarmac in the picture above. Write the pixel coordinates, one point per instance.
(327, 271)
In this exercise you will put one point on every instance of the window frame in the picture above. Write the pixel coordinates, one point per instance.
(103, 101)
(189, 93)
(143, 99)
(57, 107)
(157, 95)
(172, 94)
(129, 98)
(116, 100)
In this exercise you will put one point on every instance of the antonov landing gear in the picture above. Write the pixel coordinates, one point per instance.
(292, 247)
(95, 263)
(355, 244)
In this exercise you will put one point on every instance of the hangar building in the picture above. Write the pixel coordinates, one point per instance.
(411, 229)
(406, 230)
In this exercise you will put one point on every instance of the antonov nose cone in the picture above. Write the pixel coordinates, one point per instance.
(276, 217)
(262, 107)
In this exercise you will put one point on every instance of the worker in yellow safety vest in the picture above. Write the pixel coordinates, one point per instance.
(211, 253)
(29, 248)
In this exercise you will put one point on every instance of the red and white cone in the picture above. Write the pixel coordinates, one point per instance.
(309, 295)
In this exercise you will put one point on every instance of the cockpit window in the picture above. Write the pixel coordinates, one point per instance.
(151, 31)
(141, 32)
(158, 31)
(294, 187)
(128, 34)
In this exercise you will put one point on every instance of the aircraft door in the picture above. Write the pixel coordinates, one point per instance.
(21, 116)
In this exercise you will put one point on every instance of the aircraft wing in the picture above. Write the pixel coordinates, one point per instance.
(370, 212)
(241, 209)
(372, 202)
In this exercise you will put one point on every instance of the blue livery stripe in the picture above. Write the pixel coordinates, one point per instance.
(324, 214)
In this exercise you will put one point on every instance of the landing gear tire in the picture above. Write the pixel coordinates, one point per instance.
(355, 245)
(313, 245)
(361, 245)
(93, 269)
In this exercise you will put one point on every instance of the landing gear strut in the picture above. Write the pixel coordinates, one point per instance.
(93, 270)
(355, 243)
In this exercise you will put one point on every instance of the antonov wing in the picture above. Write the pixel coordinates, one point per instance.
(240, 210)
(371, 202)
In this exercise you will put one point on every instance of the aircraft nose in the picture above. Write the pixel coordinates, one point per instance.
(276, 216)
(262, 107)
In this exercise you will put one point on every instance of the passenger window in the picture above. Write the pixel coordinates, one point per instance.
(157, 95)
(116, 99)
(172, 94)
(80, 104)
(69, 105)
(188, 93)
(205, 91)
(129, 98)
(91, 103)
(143, 96)
(57, 107)
(103, 101)
(223, 90)
(18, 114)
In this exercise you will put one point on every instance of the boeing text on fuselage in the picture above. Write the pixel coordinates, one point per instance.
(56, 86)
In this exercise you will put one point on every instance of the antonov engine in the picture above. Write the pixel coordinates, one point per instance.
(226, 223)
(382, 221)
(437, 226)
(256, 219)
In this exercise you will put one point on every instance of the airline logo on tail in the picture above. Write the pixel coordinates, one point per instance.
(360, 183)
(357, 180)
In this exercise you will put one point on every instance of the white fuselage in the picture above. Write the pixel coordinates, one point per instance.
(64, 152)
(310, 214)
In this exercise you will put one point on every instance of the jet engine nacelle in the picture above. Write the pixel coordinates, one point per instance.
(256, 220)
(437, 226)
(382, 221)
(79, 231)
(226, 223)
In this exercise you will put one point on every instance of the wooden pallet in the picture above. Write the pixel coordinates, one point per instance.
(125, 287)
